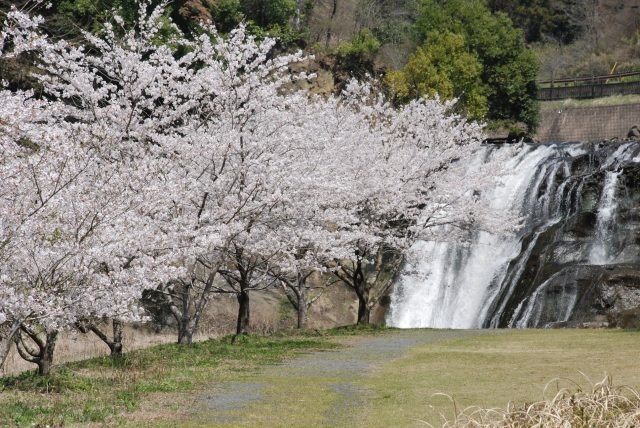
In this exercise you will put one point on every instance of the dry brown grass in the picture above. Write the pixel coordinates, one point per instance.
(600, 406)
(76, 347)
(218, 320)
(614, 100)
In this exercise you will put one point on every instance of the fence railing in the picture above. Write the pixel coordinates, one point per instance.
(588, 91)
(588, 87)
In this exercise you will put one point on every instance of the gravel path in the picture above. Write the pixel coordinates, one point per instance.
(337, 371)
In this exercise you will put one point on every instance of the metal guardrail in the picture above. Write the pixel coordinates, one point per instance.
(587, 87)
(588, 91)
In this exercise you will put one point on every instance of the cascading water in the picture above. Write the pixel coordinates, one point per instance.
(606, 221)
(571, 198)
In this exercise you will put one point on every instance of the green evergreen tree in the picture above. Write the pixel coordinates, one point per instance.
(508, 68)
(443, 66)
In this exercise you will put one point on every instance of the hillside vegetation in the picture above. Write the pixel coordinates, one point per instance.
(481, 52)
(430, 47)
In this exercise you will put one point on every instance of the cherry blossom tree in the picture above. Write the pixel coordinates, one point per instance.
(192, 167)
(33, 178)
(70, 219)
(92, 241)
(252, 130)
(406, 185)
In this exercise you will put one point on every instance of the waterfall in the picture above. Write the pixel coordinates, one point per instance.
(568, 196)
(605, 222)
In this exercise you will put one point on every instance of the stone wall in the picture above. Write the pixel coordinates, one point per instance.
(587, 123)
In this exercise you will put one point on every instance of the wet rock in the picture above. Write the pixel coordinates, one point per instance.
(625, 319)
(634, 132)
(565, 281)
(583, 224)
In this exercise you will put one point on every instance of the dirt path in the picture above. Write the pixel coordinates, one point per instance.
(318, 389)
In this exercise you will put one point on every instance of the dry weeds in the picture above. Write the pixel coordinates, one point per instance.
(614, 100)
(76, 347)
(600, 406)
(218, 321)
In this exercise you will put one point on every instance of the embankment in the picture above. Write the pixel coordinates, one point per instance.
(595, 123)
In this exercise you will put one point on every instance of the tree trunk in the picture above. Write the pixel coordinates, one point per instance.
(45, 362)
(362, 289)
(185, 334)
(303, 313)
(42, 353)
(7, 340)
(364, 312)
(297, 294)
(298, 14)
(334, 9)
(302, 306)
(243, 313)
(187, 322)
(116, 345)
(354, 278)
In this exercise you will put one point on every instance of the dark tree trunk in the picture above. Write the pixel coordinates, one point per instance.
(116, 345)
(42, 353)
(303, 315)
(186, 316)
(46, 361)
(361, 288)
(7, 339)
(370, 289)
(303, 301)
(243, 313)
(364, 312)
(298, 294)
(334, 9)
(185, 334)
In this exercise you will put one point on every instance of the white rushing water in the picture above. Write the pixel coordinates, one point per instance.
(493, 281)
(449, 285)
(600, 250)
(530, 311)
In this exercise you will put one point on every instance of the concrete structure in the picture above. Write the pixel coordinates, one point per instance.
(587, 123)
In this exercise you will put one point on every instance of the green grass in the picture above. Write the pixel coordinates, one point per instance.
(106, 389)
(164, 386)
(358, 329)
(494, 369)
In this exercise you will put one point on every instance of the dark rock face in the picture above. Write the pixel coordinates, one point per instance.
(584, 268)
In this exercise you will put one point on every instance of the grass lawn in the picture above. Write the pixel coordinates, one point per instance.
(171, 385)
(491, 370)
(146, 387)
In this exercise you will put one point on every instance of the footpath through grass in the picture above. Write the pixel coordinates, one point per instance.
(361, 382)
(112, 391)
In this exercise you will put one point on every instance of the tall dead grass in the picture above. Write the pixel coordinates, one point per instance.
(76, 346)
(600, 406)
(218, 321)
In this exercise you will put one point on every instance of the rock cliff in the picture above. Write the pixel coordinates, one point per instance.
(584, 268)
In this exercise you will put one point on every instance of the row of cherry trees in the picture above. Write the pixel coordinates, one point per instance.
(185, 167)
